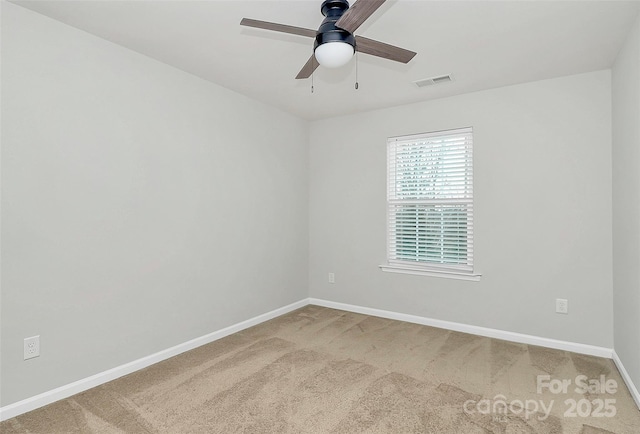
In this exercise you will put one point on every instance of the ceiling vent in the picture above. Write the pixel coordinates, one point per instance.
(433, 80)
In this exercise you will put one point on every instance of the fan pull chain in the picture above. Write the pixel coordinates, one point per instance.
(312, 64)
(356, 70)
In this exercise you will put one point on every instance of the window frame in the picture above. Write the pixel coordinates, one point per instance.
(430, 206)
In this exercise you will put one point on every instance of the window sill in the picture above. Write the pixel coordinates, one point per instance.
(419, 271)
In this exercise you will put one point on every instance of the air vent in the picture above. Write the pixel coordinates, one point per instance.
(434, 80)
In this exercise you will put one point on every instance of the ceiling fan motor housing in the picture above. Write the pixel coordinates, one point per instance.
(328, 32)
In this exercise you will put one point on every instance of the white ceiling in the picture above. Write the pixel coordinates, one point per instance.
(483, 44)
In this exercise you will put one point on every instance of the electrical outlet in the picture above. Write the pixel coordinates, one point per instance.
(332, 278)
(32, 347)
(562, 305)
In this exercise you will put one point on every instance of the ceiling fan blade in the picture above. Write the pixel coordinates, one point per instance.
(357, 14)
(380, 49)
(278, 27)
(308, 68)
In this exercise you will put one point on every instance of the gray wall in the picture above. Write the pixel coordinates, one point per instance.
(626, 204)
(141, 206)
(542, 209)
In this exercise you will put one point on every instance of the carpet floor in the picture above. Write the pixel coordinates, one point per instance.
(320, 370)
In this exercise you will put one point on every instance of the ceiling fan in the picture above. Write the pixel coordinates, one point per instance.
(335, 43)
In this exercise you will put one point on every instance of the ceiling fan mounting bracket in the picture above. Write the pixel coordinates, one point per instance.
(334, 7)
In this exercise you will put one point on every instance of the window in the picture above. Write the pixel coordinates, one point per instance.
(430, 204)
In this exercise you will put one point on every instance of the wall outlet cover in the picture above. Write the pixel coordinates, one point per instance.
(31, 347)
(562, 305)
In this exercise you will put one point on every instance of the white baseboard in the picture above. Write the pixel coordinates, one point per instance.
(65, 391)
(474, 330)
(627, 379)
(20, 407)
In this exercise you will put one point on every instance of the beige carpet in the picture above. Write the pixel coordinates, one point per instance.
(319, 370)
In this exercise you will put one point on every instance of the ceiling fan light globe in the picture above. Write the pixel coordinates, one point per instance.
(334, 54)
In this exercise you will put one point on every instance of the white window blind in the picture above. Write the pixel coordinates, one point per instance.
(430, 201)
